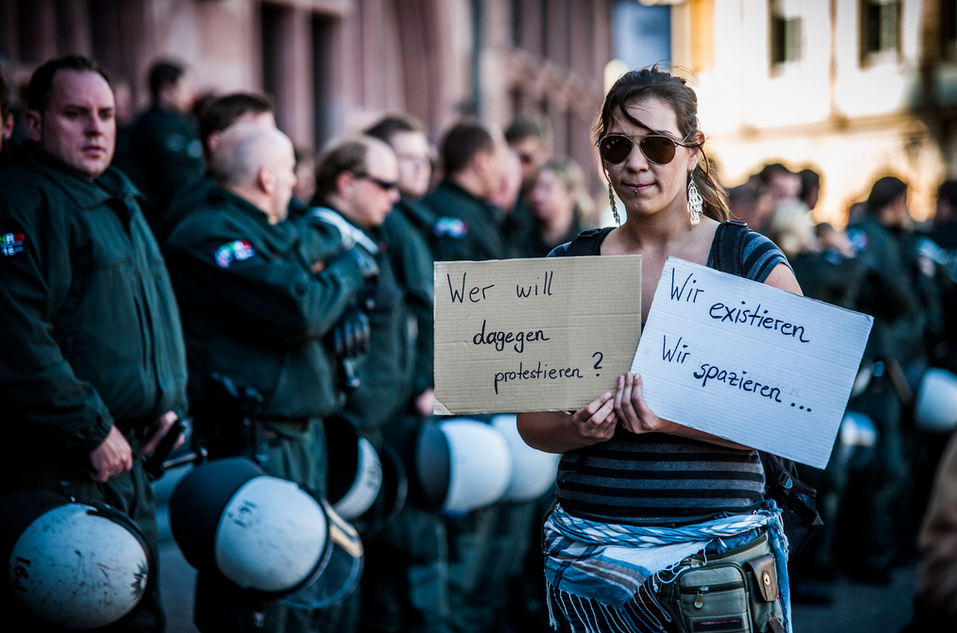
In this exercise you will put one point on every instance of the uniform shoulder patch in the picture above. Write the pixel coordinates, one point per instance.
(12, 243)
(237, 251)
(858, 239)
(451, 227)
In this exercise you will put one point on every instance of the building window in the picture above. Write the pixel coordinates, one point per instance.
(948, 28)
(880, 30)
(641, 33)
(785, 35)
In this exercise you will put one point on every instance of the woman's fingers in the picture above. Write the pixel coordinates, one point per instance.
(624, 401)
(632, 410)
(636, 398)
(597, 418)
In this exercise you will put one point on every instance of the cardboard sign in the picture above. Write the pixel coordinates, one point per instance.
(541, 334)
(749, 362)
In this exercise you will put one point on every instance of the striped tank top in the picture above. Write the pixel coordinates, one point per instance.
(659, 479)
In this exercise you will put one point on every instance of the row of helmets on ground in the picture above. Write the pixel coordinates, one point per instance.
(81, 566)
(456, 465)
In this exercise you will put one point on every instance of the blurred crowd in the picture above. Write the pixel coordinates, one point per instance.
(303, 286)
(874, 493)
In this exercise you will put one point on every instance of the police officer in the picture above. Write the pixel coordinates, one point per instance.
(165, 152)
(92, 365)
(220, 113)
(408, 232)
(411, 593)
(469, 227)
(872, 516)
(216, 116)
(256, 316)
(531, 138)
(356, 188)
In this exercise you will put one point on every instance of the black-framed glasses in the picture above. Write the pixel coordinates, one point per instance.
(385, 185)
(658, 148)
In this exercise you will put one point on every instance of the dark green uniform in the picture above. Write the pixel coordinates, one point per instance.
(518, 222)
(318, 241)
(385, 373)
(254, 311)
(378, 403)
(91, 335)
(9, 153)
(873, 511)
(187, 198)
(466, 227)
(532, 243)
(412, 263)
(164, 153)
(405, 582)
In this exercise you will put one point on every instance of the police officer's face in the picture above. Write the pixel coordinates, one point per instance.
(374, 200)
(415, 167)
(532, 155)
(78, 127)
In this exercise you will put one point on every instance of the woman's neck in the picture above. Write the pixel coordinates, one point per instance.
(660, 229)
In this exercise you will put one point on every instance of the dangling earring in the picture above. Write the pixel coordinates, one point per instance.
(694, 203)
(614, 209)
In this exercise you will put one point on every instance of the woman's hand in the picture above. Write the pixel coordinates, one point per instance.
(597, 420)
(561, 431)
(632, 410)
(634, 415)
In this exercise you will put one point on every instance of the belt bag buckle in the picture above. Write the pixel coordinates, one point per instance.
(765, 576)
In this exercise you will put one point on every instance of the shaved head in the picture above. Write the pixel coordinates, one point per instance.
(244, 149)
(256, 163)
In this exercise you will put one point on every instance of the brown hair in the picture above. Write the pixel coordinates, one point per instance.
(462, 142)
(40, 88)
(390, 125)
(348, 154)
(654, 83)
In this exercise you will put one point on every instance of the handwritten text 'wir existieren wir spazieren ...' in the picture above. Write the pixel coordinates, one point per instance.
(678, 351)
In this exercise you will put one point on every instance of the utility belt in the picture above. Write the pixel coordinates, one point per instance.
(136, 431)
(135, 434)
(734, 592)
(228, 422)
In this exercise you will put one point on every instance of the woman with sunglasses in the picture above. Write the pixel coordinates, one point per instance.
(637, 495)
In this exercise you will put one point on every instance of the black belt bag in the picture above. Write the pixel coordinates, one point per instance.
(735, 592)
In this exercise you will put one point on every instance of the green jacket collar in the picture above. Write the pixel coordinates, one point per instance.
(86, 193)
(280, 236)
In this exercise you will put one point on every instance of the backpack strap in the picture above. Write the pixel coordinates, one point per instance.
(728, 245)
(588, 242)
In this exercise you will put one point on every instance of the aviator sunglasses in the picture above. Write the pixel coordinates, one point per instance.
(657, 148)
